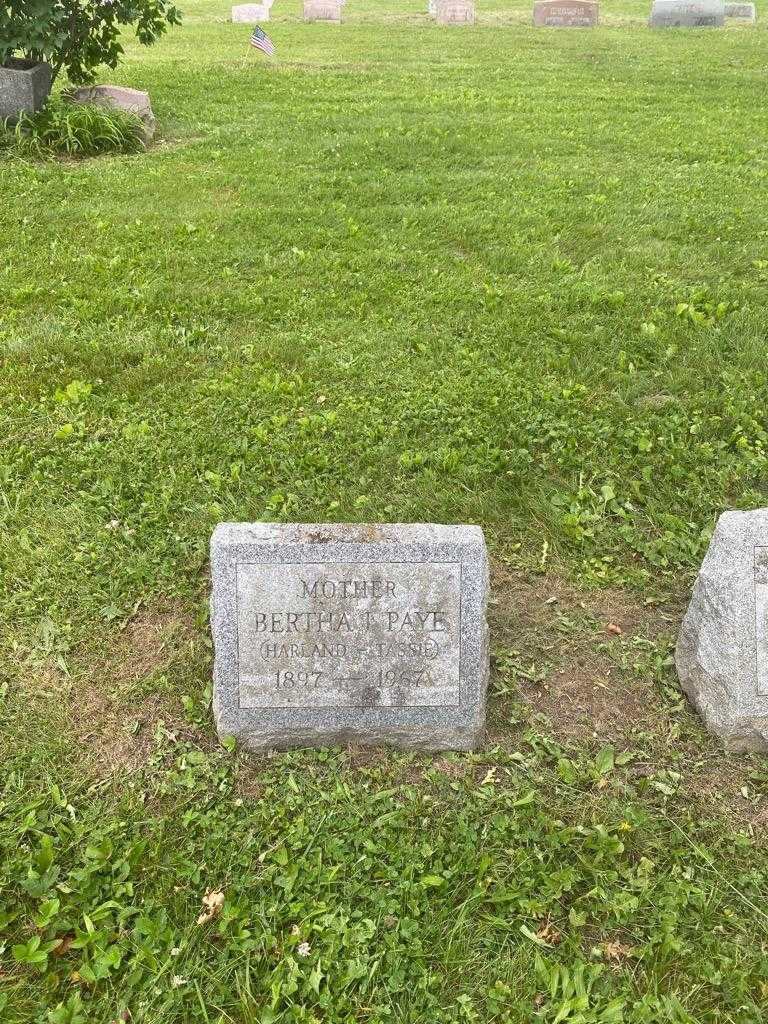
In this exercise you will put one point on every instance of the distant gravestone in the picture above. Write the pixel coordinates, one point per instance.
(565, 13)
(251, 13)
(455, 12)
(335, 634)
(722, 651)
(322, 10)
(743, 12)
(682, 14)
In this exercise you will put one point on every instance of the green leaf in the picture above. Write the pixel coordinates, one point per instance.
(605, 760)
(533, 936)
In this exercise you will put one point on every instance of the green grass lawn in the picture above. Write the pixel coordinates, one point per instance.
(496, 275)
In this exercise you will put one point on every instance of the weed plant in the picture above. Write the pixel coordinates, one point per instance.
(67, 129)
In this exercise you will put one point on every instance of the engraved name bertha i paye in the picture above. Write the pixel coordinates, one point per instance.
(348, 635)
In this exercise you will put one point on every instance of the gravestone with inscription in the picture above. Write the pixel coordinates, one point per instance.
(565, 13)
(334, 634)
(251, 13)
(455, 12)
(683, 14)
(322, 10)
(722, 651)
(742, 12)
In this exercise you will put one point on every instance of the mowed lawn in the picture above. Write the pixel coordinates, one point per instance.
(497, 275)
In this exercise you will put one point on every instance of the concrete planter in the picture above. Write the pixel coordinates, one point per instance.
(24, 87)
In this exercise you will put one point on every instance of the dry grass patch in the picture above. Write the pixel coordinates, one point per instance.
(570, 654)
(116, 736)
(582, 660)
(115, 707)
(148, 643)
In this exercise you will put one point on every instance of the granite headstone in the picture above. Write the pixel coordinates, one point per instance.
(333, 634)
(742, 12)
(565, 13)
(683, 14)
(251, 13)
(455, 12)
(722, 651)
(322, 10)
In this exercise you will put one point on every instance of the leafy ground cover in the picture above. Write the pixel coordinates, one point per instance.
(497, 275)
(75, 130)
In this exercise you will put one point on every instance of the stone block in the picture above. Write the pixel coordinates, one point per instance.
(455, 12)
(336, 634)
(742, 12)
(565, 13)
(722, 651)
(681, 14)
(251, 14)
(322, 10)
(119, 97)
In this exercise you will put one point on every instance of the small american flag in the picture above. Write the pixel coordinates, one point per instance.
(261, 41)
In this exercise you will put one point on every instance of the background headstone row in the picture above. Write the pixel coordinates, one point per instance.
(546, 13)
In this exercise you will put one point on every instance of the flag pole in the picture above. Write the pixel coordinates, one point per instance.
(247, 51)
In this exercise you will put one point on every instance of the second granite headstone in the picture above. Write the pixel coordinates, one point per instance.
(322, 10)
(455, 12)
(722, 651)
(565, 13)
(679, 14)
(333, 634)
(741, 12)
(251, 13)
